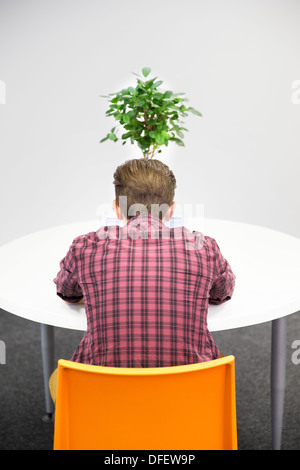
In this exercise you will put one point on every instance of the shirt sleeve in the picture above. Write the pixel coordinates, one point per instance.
(67, 286)
(224, 279)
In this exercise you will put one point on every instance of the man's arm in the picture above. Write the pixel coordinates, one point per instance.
(224, 279)
(67, 287)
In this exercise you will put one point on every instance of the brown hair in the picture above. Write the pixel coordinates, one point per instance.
(144, 182)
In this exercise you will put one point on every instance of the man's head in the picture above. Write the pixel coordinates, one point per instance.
(149, 183)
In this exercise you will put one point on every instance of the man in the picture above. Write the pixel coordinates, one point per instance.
(146, 288)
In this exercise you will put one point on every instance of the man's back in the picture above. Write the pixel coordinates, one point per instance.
(146, 290)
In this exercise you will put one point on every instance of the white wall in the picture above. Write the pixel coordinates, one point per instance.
(237, 61)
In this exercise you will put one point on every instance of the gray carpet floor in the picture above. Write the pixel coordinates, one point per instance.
(22, 403)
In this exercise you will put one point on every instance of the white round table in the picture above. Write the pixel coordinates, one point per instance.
(266, 264)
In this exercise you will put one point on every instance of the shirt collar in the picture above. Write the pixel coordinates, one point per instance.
(146, 226)
(144, 221)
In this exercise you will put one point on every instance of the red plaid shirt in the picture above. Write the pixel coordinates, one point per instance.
(146, 291)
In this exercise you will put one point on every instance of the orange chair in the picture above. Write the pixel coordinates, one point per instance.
(187, 407)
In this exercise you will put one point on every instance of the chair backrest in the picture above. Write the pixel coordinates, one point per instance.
(182, 407)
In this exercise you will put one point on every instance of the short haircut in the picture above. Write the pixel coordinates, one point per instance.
(145, 181)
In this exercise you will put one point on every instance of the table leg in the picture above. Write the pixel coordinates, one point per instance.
(47, 343)
(278, 379)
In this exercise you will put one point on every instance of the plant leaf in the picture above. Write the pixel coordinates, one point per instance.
(179, 133)
(159, 138)
(146, 71)
(177, 141)
(127, 135)
(194, 111)
(126, 119)
(167, 95)
(157, 84)
(113, 137)
(152, 134)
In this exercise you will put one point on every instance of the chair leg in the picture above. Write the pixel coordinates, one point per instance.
(278, 379)
(47, 344)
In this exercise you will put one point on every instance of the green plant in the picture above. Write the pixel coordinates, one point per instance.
(150, 116)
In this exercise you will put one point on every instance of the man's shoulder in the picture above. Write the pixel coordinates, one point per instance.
(195, 240)
(82, 239)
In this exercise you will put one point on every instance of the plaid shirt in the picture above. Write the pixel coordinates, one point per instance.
(146, 291)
